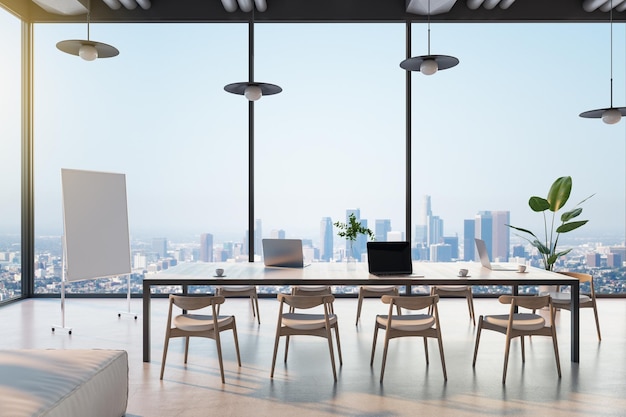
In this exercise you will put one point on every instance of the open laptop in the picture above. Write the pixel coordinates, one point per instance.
(283, 253)
(484, 257)
(389, 258)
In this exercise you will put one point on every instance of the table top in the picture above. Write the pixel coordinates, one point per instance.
(330, 273)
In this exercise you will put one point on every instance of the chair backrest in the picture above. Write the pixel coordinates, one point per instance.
(304, 301)
(582, 278)
(187, 302)
(410, 302)
(531, 302)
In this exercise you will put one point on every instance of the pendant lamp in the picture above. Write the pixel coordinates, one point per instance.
(87, 49)
(612, 114)
(429, 64)
(252, 90)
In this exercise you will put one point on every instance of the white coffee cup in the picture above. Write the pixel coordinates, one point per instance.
(521, 268)
(463, 272)
(219, 272)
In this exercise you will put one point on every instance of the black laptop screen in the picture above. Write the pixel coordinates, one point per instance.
(389, 258)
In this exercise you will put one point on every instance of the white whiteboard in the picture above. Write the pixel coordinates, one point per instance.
(95, 224)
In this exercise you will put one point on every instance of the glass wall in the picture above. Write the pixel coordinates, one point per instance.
(486, 135)
(157, 113)
(502, 126)
(10, 158)
(333, 142)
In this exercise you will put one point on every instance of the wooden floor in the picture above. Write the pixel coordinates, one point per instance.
(304, 386)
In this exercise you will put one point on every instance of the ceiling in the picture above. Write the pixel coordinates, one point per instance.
(190, 11)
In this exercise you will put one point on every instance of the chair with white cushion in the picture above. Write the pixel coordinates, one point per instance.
(519, 325)
(241, 291)
(369, 291)
(198, 325)
(419, 325)
(291, 323)
(563, 300)
(456, 291)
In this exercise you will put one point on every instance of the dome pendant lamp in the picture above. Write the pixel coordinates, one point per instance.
(429, 64)
(612, 114)
(252, 90)
(87, 49)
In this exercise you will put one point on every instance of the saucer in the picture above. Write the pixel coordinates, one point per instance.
(464, 276)
(219, 276)
(525, 272)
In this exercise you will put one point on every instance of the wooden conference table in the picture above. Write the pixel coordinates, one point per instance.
(339, 274)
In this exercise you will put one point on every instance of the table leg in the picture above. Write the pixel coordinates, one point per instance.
(575, 343)
(146, 322)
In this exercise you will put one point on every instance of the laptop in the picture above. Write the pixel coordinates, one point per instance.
(283, 252)
(484, 257)
(389, 258)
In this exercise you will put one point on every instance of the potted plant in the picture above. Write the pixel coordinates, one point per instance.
(557, 198)
(351, 231)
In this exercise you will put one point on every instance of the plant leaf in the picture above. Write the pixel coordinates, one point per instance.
(568, 227)
(565, 252)
(559, 193)
(541, 247)
(538, 204)
(569, 215)
(522, 230)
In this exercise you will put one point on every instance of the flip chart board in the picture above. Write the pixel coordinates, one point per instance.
(95, 224)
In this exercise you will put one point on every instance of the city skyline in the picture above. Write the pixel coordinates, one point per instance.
(188, 143)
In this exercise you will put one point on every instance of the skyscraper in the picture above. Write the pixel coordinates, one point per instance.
(434, 230)
(258, 237)
(206, 247)
(469, 226)
(382, 227)
(453, 241)
(501, 235)
(159, 246)
(484, 230)
(277, 234)
(490, 226)
(326, 239)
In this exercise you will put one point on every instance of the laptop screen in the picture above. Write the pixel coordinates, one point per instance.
(389, 258)
(283, 252)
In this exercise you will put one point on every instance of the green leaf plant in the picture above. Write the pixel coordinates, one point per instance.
(352, 229)
(557, 198)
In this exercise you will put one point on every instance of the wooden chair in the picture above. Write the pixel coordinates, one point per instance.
(420, 325)
(198, 325)
(457, 291)
(312, 290)
(563, 300)
(241, 291)
(519, 325)
(367, 291)
(291, 323)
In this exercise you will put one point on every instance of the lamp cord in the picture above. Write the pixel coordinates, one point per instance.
(429, 27)
(611, 25)
(88, 16)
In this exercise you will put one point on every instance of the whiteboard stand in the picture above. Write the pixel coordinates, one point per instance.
(62, 326)
(128, 312)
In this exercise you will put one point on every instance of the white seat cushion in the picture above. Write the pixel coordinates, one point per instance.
(566, 298)
(199, 322)
(408, 322)
(520, 321)
(307, 321)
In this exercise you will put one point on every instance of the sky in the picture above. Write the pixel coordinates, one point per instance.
(486, 135)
